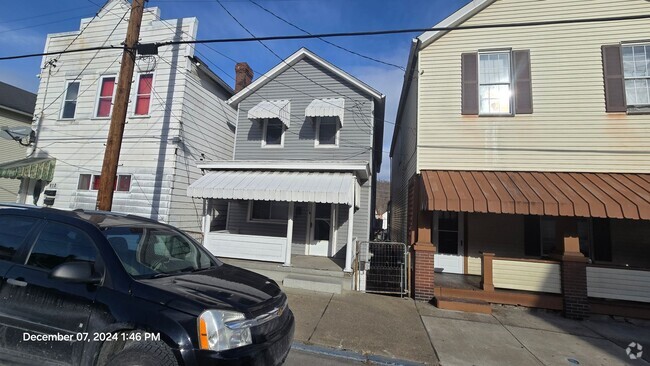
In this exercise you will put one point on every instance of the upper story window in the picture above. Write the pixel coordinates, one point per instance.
(495, 83)
(273, 133)
(105, 97)
(90, 182)
(70, 100)
(143, 94)
(327, 132)
(636, 73)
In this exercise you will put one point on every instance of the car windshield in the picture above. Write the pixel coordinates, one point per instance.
(147, 252)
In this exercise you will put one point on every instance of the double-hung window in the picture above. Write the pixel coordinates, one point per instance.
(105, 98)
(636, 73)
(268, 211)
(70, 100)
(90, 182)
(273, 133)
(143, 94)
(495, 83)
(327, 132)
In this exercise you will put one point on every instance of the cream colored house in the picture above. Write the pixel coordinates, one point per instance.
(520, 160)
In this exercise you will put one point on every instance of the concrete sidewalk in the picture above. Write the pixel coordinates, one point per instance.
(402, 329)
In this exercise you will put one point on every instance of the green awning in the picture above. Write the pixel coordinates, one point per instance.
(34, 168)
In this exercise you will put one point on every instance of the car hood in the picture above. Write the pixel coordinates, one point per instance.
(224, 287)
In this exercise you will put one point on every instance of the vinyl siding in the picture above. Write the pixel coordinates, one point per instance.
(569, 129)
(147, 152)
(10, 151)
(527, 276)
(618, 283)
(403, 165)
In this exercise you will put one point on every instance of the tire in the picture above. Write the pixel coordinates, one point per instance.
(144, 354)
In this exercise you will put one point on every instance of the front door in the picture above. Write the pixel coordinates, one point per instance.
(448, 230)
(321, 229)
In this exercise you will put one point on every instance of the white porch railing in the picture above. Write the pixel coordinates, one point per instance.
(527, 275)
(253, 247)
(618, 283)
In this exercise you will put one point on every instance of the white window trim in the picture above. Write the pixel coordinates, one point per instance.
(135, 95)
(264, 145)
(99, 92)
(511, 84)
(625, 78)
(317, 143)
(249, 217)
(65, 95)
(92, 180)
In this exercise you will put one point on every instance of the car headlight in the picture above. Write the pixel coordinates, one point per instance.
(223, 330)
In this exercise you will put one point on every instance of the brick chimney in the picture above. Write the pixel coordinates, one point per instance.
(243, 76)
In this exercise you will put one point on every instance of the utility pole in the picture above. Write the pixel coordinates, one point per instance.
(120, 107)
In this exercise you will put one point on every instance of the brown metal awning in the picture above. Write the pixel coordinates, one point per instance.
(605, 195)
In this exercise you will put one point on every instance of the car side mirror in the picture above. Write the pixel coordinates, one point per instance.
(76, 272)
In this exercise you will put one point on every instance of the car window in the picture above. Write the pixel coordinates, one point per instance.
(13, 231)
(60, 243)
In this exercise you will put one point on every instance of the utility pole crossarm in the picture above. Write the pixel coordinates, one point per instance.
(120, 108)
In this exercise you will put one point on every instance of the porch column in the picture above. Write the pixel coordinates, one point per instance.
(573, 271)
(207, 219)
(487, 281)
(350, 245)
(287, 254)
(424, 251)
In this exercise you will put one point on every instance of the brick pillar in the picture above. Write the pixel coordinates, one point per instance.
(243, 76)
(574, 271)
(424, 271)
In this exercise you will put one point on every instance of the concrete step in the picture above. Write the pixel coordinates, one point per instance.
(466, 305)
(314, 283)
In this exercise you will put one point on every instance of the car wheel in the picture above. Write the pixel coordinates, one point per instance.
(144, 354)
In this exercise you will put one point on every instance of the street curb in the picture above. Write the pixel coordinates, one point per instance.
(354, 356)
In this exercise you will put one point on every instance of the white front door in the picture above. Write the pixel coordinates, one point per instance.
(321, 229)
(448, 235)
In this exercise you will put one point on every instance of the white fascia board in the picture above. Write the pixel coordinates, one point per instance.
(361, 168)
(292, 60)
(457, 18)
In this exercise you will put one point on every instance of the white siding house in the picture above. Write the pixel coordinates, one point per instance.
(177, 117)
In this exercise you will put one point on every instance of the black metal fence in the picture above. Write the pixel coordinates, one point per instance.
(385, 264)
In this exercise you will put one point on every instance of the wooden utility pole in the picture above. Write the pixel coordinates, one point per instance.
(120, 107)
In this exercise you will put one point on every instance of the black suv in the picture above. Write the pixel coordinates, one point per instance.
(99, 288)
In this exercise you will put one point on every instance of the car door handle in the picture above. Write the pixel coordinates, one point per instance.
(15, 282)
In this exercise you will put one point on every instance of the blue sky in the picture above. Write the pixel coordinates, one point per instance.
(24, 26)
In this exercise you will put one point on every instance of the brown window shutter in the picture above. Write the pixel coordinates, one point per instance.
(614, 83)
(469, 71)
(522, 82)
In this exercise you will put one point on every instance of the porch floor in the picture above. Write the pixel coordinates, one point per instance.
(457, 281)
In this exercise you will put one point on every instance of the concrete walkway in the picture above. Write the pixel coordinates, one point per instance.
(402, 329)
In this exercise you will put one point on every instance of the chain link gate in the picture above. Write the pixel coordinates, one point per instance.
(383, 265)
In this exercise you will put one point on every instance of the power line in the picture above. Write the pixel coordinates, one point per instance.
(367, 33)
(326, 41)
(111, 47)
(47, 14)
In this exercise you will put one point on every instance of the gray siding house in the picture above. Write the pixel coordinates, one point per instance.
(178, 116)
(302, 179)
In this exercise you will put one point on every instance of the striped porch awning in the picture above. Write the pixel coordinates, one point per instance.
(33, 168)
(604, 195)
(272, 109)
(328, 107)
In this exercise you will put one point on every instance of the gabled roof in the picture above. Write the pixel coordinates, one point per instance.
(456, 19)
(16, 99)
(292, 60)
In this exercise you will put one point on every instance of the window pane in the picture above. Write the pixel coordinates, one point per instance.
(322, 230)
(494, 98)
(637, 91)
(69, 108)
(84, 182)
(59, 243)
(261, 210)
(72, 91)
(142, 105)
(274, 129)
(279, 210)
(96, 179)
(108, 84)
(13, 230)
(144, 87)
(124, 183)
(327, 131)
(628, 61)
(104, 108)
(494, 68)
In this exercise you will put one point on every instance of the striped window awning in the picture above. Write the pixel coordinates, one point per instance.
(604, 195)
(272, 109)
(328, 107)
(289, 186)
(33, 168)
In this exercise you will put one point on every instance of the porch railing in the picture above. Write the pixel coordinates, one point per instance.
(253, 247)
(608, 282)
(520, 274)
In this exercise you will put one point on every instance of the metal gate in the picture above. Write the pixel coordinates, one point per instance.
(385, 266)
